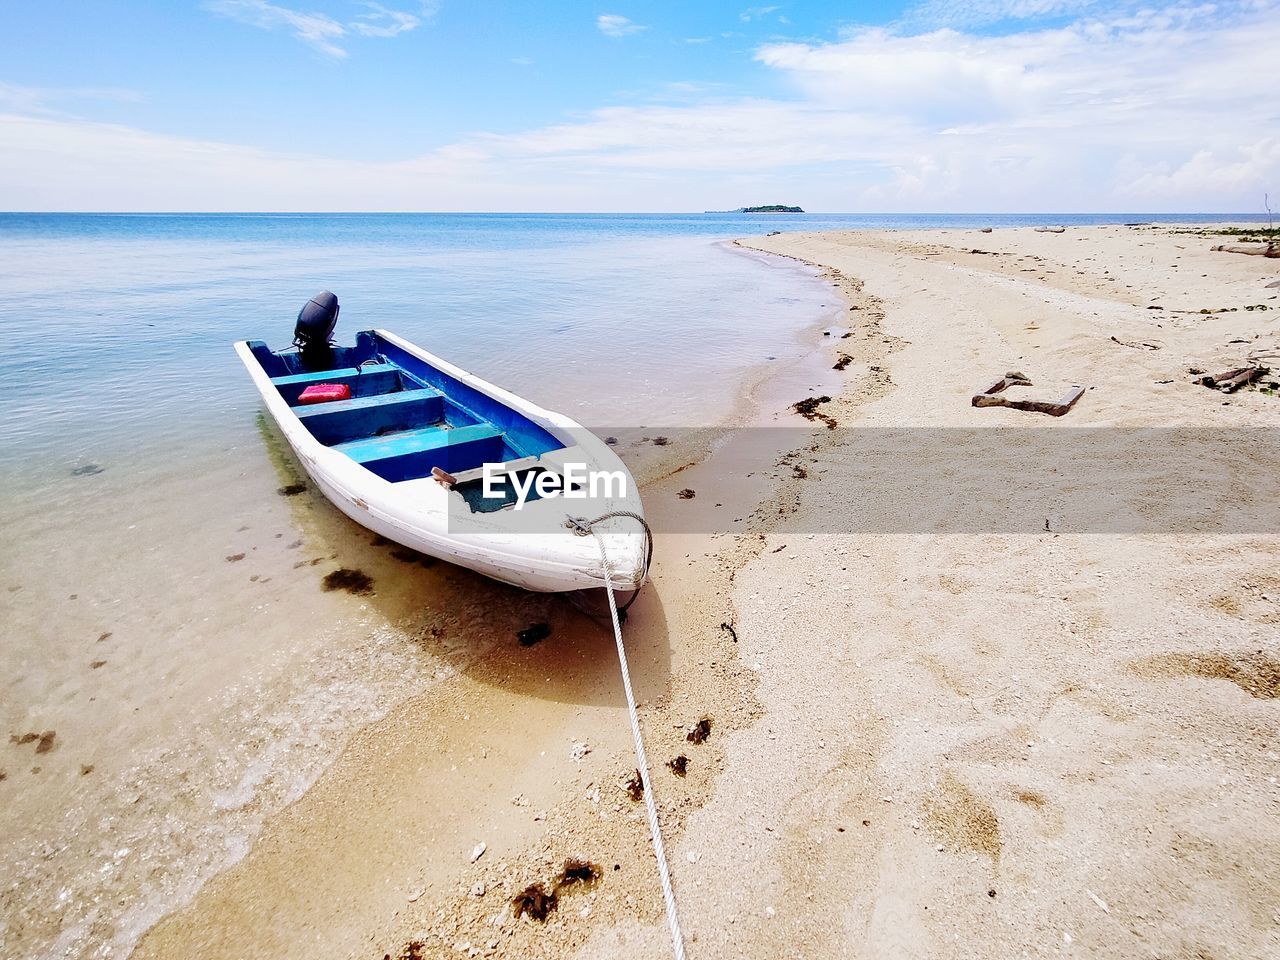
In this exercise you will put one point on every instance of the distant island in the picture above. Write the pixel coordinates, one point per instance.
(768, 208)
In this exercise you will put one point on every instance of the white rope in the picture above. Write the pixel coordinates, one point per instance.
(677, 938)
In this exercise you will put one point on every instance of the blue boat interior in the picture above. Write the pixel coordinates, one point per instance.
(404, 416)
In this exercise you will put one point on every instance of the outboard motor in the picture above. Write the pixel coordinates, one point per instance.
(314, 331)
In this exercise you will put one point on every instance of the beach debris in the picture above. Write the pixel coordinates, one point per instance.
(355, 582)
(234, 557)
(679, 765)
(86, 769)
(1271, 250)
(291, 490)
(843, 362)
(578, 751)
(444, 478)
(808, 408)
(477, 889)
(418, 896)
(535, 901)
(686, 494)
(633, 786)
(773, 233)
(732, 632)
(412, 951)
(1102, 904)
(698, 733)
(1140, 345)
(88, 470)
(1273, 284)
(1051, 229)
(990, 396)
(985, 230)
(478, 851)
(1229, 381)
(611, 441)
(577, 871)
(97, 664)
(534, 633)
(660, 441)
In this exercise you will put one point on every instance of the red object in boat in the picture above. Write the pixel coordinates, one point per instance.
(324, 393)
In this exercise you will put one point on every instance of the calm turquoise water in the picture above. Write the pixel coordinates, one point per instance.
(119, 325)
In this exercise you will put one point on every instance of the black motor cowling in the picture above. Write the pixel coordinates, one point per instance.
(314, 330)
(316, 320)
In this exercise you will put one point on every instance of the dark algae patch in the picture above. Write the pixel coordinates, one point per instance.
(699, 732)
(352, 581)
(577, 871)
(292, 489)
(43, 741)
(405, 555)
(534, 633)
(88, 470)
(808, 408)
(535, 901)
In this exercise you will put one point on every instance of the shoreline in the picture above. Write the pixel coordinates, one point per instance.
(752, 687)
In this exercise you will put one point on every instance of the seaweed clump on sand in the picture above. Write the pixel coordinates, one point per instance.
(679, 765)
(578, 871)
(353, 581)
(699, 732)
(808, 408)
(535, 901)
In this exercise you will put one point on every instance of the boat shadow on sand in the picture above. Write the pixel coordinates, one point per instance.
(467, 622)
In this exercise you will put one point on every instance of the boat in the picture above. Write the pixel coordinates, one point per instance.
(436, 459)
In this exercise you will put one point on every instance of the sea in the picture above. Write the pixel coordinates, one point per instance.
(171, 672)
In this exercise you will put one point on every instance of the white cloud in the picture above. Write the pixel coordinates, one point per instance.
(316, 29)
(42, 100)
(1140, 112)
(381, 22)
(321, 31)
(756, 13)
(613, 25)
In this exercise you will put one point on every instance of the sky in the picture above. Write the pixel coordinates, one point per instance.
(486, 105)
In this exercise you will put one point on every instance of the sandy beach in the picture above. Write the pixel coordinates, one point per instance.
(1036, 734)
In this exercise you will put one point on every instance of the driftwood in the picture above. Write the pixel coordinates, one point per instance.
(1229, 381)
(1252, 249)
(990, 397)
(1051, 229)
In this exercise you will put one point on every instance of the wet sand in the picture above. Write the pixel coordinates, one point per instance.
(922, 744)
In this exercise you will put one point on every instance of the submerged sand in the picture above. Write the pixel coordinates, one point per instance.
(923, 742)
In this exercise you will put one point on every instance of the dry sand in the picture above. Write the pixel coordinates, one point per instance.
(924, 743)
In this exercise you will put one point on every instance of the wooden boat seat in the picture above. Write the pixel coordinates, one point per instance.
(412, 453)
(369, 381)
(362, 417)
